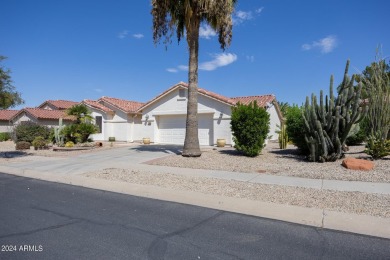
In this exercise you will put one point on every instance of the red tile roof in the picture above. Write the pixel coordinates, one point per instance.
(97, 105)
(40, 113)
(59, 104)
(200, 90)
(261, 100)
(124, 105)
(7, 115)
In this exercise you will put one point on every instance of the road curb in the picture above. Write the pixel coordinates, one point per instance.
(361, 224)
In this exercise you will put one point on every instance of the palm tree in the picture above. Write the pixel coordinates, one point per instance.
(185, 17)
(81, 112)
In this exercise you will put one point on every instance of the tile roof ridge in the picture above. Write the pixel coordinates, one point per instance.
(255, 96)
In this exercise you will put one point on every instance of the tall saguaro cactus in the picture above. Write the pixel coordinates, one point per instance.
(327, 124)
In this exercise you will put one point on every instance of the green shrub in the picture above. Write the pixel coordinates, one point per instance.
(23, 145)
(27, 131)
(358, 133)
(69, 144)
(39, 142)
(5, 136)
(79, 133)
(377, 147)
(295, 128)
(250, 127)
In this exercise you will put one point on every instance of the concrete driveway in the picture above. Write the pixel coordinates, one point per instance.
(121, 157)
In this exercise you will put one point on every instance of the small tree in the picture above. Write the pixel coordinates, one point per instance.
(250, 127)
(9, 97)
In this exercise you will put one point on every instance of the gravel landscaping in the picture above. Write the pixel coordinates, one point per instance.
(349, 202)
(8, 152)
(285, 162)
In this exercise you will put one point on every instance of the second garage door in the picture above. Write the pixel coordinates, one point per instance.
(172, 129)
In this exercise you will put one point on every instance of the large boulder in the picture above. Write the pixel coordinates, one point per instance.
(358, 164)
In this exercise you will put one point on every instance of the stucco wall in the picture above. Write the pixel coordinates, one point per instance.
(172, 104)
(274, 120)
(103, 135)
(5, 126)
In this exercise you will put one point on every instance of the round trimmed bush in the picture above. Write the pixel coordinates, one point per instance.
(250, 127)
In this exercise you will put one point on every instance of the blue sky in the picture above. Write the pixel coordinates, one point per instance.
(77, 50)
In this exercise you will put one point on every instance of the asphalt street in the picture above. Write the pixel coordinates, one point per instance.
(43, 220)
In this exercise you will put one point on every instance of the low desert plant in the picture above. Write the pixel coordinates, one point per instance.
(377, 147)
(39, 142)
(22, 145)
(79, 133)
(250, 127)
(69, 144)
(5, 136)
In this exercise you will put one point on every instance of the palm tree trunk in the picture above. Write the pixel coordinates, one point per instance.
(191, 142)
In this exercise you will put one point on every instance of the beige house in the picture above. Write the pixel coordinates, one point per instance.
(6, 122)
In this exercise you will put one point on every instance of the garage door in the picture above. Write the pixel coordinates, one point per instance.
(172, 129)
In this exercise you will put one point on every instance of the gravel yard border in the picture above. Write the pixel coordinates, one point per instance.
(287, 162)
(348, 202)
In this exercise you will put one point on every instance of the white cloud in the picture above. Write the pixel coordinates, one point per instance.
(182, 67)
(326, 45)
(259, 10)
(99, 90)
(206, 32)
(250, 58)
(123, 34)
(219, 60)
(172, 70)
(242, 16)
(138, 35)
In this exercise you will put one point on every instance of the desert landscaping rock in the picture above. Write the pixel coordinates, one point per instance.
(358, 164)
(349, 202)
(285, 162)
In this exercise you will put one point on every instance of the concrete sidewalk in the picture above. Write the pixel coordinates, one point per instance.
(69, 171)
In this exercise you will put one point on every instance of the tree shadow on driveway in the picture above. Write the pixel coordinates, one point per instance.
(161, 148)
(13, 154)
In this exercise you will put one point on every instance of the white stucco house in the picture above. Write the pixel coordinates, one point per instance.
(164, 117)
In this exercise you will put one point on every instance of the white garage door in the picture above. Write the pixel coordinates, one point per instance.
(172, 129)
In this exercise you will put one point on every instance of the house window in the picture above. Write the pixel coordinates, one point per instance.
(182, 93)
(98, 120)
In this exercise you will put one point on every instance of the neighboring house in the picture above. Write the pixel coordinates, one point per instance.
(115, 118)
(41, 116)
(271, 105)
(164, 117)
(6, 119)
(57, 104)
